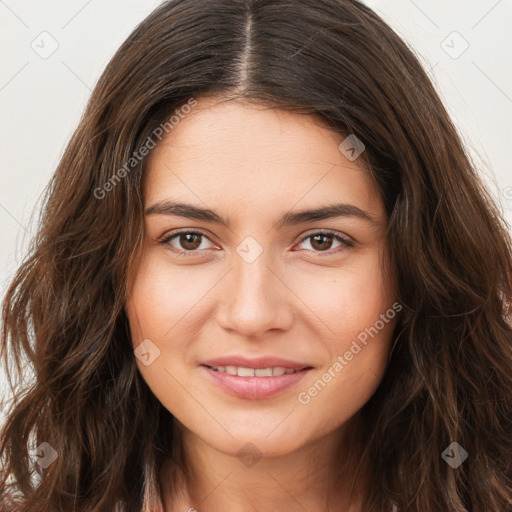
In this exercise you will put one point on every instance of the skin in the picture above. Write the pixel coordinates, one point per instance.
(298, 300)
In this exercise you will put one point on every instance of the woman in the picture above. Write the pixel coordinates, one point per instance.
(267, 277)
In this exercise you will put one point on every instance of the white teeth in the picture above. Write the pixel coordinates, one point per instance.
(264, 372)
(254, 372)
(246, 372)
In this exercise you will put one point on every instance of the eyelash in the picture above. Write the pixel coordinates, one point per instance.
(345, 244)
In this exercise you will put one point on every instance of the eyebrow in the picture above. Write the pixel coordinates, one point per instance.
(168, 207)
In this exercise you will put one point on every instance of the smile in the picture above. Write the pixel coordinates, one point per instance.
(254, 383)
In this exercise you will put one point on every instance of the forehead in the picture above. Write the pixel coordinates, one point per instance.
(244, 156)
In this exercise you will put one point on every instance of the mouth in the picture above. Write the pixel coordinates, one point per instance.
(254, 383)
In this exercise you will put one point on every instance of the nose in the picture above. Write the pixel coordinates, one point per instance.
(255, 299)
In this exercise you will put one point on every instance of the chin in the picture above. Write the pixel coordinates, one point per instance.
(257, 442)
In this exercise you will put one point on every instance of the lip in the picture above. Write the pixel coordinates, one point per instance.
(254, 388)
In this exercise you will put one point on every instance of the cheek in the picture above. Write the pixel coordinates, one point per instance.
(357, 306)
(163, 297)
(348, 299)
(166, 306)
(350, 375)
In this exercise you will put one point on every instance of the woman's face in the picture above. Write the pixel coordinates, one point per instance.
(274, 288)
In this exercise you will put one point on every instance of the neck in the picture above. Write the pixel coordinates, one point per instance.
(317, 477)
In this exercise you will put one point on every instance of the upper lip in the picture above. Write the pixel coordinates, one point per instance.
(258, 362)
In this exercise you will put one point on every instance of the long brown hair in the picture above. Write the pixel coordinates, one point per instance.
(449, 377)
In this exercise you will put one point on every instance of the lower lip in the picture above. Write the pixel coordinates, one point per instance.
(254, 388)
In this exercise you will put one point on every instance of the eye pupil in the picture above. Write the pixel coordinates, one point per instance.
(315, 240)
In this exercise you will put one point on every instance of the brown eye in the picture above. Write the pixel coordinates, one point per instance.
(189, 241)
(322, 241)
(185, 242)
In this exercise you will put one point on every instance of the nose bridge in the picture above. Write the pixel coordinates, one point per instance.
(251, 266)
(252, 280)
(254, 301)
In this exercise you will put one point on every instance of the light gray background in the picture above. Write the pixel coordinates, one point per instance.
(42, 95)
